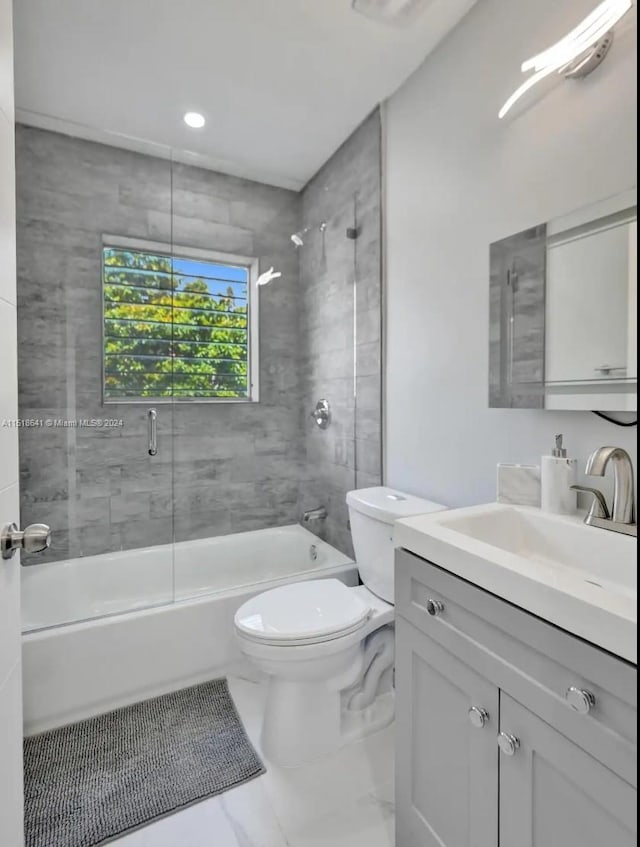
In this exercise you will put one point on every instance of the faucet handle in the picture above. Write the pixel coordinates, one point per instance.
(599, 508)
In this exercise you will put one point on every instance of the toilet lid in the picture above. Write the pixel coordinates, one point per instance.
(302, 613)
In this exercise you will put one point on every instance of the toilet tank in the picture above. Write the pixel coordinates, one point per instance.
(372, 512)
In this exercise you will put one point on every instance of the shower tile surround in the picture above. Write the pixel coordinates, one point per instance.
(342, 358)
(221, 468)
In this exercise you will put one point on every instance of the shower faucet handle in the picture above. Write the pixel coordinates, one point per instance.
(34, 539)
(322, 414)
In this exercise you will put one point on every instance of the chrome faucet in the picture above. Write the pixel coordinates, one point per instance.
(622, 517)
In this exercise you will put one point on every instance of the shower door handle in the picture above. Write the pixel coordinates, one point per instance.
(152, 419)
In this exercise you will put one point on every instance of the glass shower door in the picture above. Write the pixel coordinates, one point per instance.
(237, 412)
(276, 308)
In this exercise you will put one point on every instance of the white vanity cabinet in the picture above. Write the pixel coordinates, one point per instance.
(511, 732)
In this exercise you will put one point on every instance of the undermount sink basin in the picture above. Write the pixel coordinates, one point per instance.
(582, 578)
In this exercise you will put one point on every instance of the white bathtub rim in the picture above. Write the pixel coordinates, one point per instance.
(167, 549)
(63, 608)
(166, 606)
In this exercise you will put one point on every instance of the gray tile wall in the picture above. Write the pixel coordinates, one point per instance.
(341, 357)
(220, 468)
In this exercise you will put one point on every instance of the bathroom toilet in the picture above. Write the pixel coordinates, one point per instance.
(327, 649)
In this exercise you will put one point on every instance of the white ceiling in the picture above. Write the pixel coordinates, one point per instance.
(282, 83)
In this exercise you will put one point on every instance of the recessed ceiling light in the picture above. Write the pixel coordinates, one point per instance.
(194, 119)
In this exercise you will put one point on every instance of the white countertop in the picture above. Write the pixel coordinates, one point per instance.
(580, 578)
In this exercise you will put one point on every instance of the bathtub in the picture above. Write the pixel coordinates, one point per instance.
(104, 631)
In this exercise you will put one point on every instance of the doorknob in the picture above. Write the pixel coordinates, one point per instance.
(35, 538)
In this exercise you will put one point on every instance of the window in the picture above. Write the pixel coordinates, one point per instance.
(177, 324)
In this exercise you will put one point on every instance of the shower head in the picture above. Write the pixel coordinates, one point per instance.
(298, 237)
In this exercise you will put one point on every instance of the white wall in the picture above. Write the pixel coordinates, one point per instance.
(457, 179)
(11, 834)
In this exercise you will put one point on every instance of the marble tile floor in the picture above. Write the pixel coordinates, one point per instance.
(343, 800)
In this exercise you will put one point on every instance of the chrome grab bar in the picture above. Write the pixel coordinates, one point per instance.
(152, 420)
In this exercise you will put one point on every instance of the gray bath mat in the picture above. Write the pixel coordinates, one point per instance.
(90, 782)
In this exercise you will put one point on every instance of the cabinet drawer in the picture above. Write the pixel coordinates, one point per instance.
(533, 661)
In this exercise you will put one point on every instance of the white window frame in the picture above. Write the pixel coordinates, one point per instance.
(252, 265)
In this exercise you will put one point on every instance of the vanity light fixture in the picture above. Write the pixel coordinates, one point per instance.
(578, 53)
(195, 120)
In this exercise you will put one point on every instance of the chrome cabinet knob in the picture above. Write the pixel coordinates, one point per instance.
(580, 700)
(478, 717)
(508, 744)
(35, 538)
(435, 608)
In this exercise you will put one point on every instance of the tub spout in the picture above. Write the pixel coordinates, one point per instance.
(378, 657)
(318, 514)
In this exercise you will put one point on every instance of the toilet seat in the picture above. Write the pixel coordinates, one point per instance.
(303, 613)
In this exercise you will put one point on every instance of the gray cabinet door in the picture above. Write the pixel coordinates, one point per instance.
(553, 794)
(447, 769)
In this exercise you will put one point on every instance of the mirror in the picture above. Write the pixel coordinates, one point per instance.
(563, 302)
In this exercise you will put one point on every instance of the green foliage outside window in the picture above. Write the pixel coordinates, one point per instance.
(174, 327)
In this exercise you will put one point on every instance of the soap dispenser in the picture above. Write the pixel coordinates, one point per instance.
(557, 475)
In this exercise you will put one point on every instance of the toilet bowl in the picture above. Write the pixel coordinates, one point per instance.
(328, 649)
